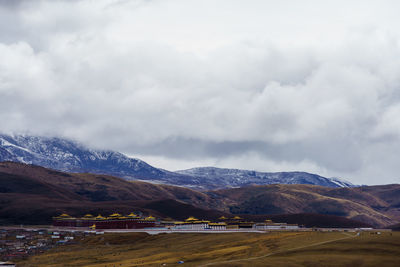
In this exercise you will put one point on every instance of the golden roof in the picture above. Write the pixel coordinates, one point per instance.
(88, 216)
(99, 217)
(222, 218)
(115, 215)
(236, 218)
(132, 215)
(150, 218)
(63, 216)
(191, 218)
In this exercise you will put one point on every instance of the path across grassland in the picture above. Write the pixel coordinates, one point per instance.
(281, 251)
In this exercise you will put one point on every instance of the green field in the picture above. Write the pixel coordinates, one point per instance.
(237, 249)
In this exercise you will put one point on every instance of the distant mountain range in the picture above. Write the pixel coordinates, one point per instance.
(65, 155)
(32, 195)
(239, 178)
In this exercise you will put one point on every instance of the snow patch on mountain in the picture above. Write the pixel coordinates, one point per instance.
(70, 156)
(236, 177)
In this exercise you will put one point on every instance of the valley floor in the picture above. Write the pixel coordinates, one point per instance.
(236, 249)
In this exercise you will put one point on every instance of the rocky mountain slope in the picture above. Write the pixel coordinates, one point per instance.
(69, 156)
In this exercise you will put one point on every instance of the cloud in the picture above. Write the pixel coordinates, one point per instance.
(256, 85)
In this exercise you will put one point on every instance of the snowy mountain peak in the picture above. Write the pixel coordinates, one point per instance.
(70, 156)
(66, 155)
(247, 177)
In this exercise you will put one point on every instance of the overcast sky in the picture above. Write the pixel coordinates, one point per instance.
(266, 85)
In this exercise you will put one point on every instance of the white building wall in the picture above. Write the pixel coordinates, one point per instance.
(276, 227)
(217, 227)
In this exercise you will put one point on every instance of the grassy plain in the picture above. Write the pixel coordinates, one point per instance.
(236, 249)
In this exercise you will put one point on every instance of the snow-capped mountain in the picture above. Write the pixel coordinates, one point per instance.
(238, 178)
(70, 156)
(65, 155)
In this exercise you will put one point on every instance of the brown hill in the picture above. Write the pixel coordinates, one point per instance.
(32, 194)
(30, 179)
(375, 205)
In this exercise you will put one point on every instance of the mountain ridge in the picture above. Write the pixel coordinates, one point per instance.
(256, 177)
(375, 205)
(70, 156)
(33, 194)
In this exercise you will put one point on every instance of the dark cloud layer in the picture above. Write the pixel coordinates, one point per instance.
(294, 85)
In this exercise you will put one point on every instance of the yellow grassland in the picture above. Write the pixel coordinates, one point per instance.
(233, 249)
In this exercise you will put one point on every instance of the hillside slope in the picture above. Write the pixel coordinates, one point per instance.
(33, 194)
(376, 205)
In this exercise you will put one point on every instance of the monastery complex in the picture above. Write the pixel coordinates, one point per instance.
(134, 221)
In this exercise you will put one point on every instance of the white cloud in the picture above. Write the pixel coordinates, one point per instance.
(263, 85)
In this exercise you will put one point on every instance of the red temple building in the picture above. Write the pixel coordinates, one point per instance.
(114, 221)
